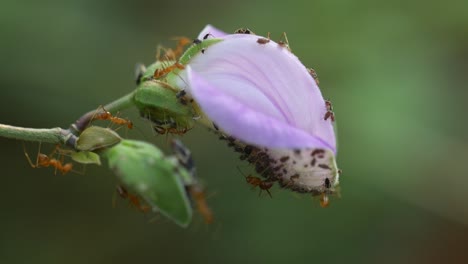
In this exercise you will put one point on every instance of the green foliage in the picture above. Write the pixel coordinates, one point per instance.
(159, 180)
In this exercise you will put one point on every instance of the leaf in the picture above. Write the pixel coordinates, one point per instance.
(86, 157)
(95, 137)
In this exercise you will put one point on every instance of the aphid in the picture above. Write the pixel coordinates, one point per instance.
(319, 152)
(161, 72)
(207, 35)
(170, 130)
(292, 178)
(255, 181)
(106, 115)
(199, 198)
(329, 114)
(180, 96)
(134, 199)
(243, 31)
(198, 41)
(263, 41)
(314, 75)
(327, 183)
(43, 161)
(324, 166)
(324, 201)
(284, 42)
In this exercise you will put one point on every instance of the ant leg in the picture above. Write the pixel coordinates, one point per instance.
(29, 159)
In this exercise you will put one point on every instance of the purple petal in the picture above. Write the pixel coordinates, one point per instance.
(261, 94)
(209, 29)
(243, 122)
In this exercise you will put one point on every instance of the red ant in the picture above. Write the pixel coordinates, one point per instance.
(134, 199)
(324, 201)
(199, 196)
(106, 115)
(255, 181)
(329, 113)
(161, 72)
(183, 41)
(43, 160)
(172, 54)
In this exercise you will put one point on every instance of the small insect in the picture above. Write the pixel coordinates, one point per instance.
(106, 115)
(314, 75)
(133, 199)
(319, 152)
(198, 41)
(329, 114)
(327, 183)
(199, 198)
(255, 181)
(180, 96)
(170, 130)
(244, 31)
(284, 42)
(43, 161)
(161, 72)
(263, 41)
(324, 201)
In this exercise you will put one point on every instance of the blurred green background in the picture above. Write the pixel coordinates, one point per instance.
(396, 72)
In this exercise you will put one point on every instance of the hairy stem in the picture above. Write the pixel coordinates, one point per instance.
(55, 135)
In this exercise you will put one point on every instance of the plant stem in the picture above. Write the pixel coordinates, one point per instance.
(55, 135)
(58, 135)
(122, 103)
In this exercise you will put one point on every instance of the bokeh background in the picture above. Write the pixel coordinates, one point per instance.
(396, 72)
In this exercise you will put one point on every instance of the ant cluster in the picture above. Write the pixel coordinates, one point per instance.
(283, 169)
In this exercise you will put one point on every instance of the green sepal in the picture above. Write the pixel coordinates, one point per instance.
(142, 168)
(95, 137)
(86, 157)
(157, 102)
(197, 49)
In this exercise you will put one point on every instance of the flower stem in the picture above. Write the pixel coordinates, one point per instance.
(58, 135)
(55, 135)
(122, 103)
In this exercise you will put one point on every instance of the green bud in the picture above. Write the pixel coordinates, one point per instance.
(159, 180)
